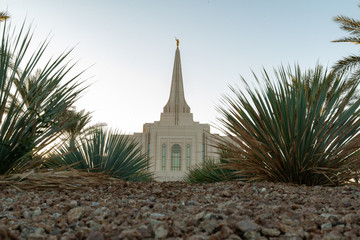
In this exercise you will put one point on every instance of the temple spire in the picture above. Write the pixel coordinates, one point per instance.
(177, 103)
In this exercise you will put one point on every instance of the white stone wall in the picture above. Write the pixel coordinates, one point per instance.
(195, 135)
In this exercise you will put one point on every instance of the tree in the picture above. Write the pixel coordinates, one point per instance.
(79, 125)
(351, 63)
(29, 91)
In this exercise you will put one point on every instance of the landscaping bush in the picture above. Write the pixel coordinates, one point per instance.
(210, 171)
(297, 128)
(104, 151)
(30, 114)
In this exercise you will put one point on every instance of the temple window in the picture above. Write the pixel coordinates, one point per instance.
(188, 156)
(176, 157)
(203, 153)
(163, 157)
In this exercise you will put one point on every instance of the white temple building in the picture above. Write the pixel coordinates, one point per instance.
(176, 142)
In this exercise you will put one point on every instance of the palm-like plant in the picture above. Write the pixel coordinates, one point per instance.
(29, 84)
(105, 151)
(31, 121)
(4, 16)
(79, 120)
(352, 62)
(79, 126)
(285, 133)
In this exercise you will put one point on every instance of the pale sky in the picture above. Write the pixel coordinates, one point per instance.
(130, 47)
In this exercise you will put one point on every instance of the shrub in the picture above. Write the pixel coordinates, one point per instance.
(210, 171)
(298, 128)
(105, 151)
(30, 114)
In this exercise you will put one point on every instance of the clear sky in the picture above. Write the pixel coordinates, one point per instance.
(130, 47)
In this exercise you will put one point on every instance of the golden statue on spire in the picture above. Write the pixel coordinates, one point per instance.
(177, 42)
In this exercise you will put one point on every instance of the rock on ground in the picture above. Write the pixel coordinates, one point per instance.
(178, 210)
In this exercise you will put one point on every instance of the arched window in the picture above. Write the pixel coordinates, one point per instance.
(176, 157)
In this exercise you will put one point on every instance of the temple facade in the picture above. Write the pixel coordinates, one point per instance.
(176, 142)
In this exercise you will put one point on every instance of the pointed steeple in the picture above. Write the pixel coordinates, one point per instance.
(177, 103)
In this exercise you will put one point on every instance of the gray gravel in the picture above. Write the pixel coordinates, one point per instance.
(177, 210)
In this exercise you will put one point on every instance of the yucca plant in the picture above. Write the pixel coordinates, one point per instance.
(209, 172)
(105, 151)
(298, 128)
(31, 121)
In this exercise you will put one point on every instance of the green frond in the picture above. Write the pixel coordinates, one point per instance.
(355, 40)
(350, 25)
(350, 63)
(31, 105)
(347, 63)
(80, 124)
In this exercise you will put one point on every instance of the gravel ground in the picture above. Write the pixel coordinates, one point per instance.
(177, 210)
